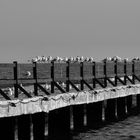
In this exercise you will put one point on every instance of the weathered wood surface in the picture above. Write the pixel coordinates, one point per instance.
(44, 71)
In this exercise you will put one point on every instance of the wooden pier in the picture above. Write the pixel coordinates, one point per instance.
(81, 95)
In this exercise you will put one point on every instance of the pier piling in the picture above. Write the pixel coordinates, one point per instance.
(24, 127)
(121, 108)
(110, 110)
(38, 120)
(59, 124)
(78, 117)
(94, 114)
(129, 104)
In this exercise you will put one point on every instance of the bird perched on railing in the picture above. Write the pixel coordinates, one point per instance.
(81, 59)
(136, 59)
(65, 59)
(91, 59)
(126, 59)
(47, 86)
(116, 58)
(49, 58)
(43, 59)
(107, 59)
(9, 91)
(34, 60)
(86, 59)
(71, 59)
(78, 59)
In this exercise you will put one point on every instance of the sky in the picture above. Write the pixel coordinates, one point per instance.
(97, 28)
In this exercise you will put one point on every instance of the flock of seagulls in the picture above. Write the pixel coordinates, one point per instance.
(43, 59)
(117, 58)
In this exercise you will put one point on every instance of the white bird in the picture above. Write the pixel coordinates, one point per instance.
(126, 59)
(78, 58)
(70, 87)
(71, 59)
(65, 59)
(34, 60)
(81, 59)
(63, 85)
(50, 58)
(43, 58)
(91, 59)
(116, 58)
(77, 86)
(28, 73)
(47, 86)
(10, 92)
(87, 59)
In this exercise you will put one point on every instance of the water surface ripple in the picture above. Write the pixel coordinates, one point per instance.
(128, 129)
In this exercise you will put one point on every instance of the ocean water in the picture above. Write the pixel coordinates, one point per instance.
(128, 129)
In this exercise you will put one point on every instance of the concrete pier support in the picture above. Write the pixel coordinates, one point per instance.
(138, 103)
(24, 127)
(129, 104)
(38, 120)
(7, 128)
(110, 110)
(78, 117)
(121, 108)
(59, 124)
(94, 114)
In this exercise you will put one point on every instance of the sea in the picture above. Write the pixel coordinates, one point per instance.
(128, 129)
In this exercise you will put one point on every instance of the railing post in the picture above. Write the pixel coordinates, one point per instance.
(125, 71)
(35, 77)
(94, 74)
(133, 71)
(52, 76)
(115, 71)
(16, 78)
(67, 75)
(82, 75)
(105, 74)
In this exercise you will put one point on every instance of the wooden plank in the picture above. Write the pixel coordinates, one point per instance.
(88, 69)
(110, 69)
(120, 68)
(23, 70)
(74, 70)
(99, 69)
(137, 68)
(6, 71)
(44, 70)
(60, 70)
(129, 68)
(6, 83)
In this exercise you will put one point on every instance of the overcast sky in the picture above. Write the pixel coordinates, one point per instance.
(97, 28)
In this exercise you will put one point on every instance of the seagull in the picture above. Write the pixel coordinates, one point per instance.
(63, 85)
(10, 91)
(81, 59)
(28, 73)
(126, 59)
(65, 59)
(87, 59)
(50, 58)
(91, 59)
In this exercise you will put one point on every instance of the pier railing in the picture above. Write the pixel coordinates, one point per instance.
(84, 74)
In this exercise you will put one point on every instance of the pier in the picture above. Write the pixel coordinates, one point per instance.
(78, 95)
